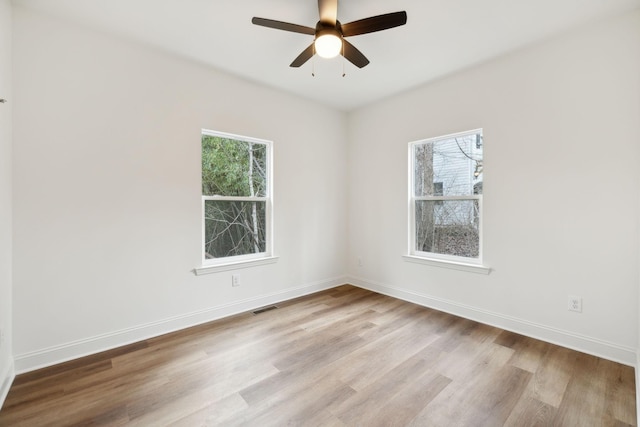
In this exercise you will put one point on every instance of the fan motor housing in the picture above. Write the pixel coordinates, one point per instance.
(324, 29)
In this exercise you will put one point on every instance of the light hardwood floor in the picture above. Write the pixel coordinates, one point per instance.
(346, 356)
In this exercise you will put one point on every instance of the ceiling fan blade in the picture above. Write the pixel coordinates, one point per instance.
(374, 23)
(328, 10)
(354, 56)
(303, 57)
(279, 25)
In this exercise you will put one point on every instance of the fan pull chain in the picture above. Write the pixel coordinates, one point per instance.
(313, 62)
(343, 60)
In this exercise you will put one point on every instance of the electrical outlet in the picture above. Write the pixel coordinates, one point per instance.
(575, 304)
(235, 280)
(359, 262)
(1, 338)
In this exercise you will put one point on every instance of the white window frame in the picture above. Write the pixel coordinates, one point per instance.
(248, 260)
(435, 259)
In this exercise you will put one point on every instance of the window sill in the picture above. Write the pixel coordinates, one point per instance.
(473, 268)
(208, 269)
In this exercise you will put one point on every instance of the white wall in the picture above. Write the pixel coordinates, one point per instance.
(107, 191)
(6, 359)
(561, 127)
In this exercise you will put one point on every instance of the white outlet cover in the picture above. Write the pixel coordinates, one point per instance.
(235, 280)
(575, 304)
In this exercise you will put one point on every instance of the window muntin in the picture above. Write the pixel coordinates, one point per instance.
(236, 198)
(446, 197)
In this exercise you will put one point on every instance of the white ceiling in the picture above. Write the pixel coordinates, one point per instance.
(440, 37)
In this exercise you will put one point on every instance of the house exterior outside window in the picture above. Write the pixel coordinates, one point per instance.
(446, 184)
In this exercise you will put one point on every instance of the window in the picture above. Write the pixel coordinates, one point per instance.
(446, 197)
(236, 198)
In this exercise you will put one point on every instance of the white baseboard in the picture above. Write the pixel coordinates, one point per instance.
(606, 350)
(76, 349)
(5, 384)
(73, 350)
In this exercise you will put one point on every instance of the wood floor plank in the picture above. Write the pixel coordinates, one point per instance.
(307, 406)
(411, 400)
(620, 392)
(367, 402)
(528, 353)
(396, 398)
(341, 357)
(590, 391)
(216, 414)
(482, 393)
(471, 358)
(202, 407)
(530, 412)
(553, 375)
(500, 396)
(367, 364)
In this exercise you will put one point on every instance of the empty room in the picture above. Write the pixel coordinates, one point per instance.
(319, 213)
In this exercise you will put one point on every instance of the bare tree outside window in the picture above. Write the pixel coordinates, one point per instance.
(235, 191)
(446, 195)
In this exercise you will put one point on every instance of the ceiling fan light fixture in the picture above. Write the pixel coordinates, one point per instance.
(329, 34)
(328, 45)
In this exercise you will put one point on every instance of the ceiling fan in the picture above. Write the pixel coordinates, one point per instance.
(330, 34)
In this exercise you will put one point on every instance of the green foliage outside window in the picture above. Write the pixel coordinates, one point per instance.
(233, 168)
(235, 171)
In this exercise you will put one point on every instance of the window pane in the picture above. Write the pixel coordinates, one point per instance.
(233, 168)
(449, 167)
(234, 228)
(448, 227)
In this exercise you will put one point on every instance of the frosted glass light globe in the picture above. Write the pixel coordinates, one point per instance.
(328, 45)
